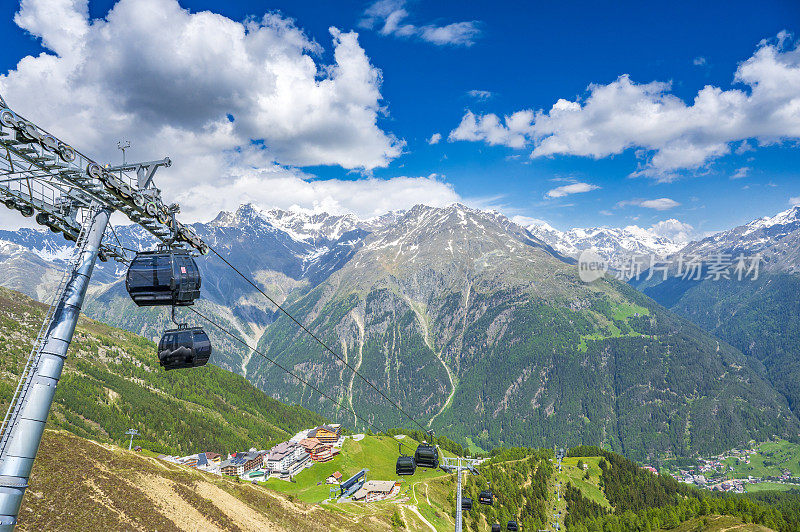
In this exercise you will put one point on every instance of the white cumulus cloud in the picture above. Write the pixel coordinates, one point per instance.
(389, 18)
(741, 172)
(222, 98)
(675, 230)
(514, 130)
(573, 188)
(363, 197)
(435, 138)
(479, 95)
(527, 221)
(659, 204)
(673, 135)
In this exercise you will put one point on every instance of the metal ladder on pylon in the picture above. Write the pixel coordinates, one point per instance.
(33, 358)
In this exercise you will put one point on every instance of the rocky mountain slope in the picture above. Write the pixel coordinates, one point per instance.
(484, 333)
(475, 326)
(776, 238)
(282, 250)
(617, 245)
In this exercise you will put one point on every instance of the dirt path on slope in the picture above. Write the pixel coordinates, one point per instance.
(165, 498)
(413, 509)
(240, 513)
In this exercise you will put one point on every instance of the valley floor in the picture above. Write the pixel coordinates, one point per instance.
(78, 484)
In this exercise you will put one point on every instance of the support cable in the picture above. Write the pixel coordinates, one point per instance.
(323, 344)
(290, 372)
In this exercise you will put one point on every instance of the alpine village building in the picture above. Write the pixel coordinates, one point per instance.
(240, 463)
(327, 433)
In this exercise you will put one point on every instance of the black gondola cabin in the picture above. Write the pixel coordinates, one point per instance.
(406, 465)
(486, 497)
(512, 526)
(466, 504)
(184, 348)
(163, 278)
(427, 456)
(497, 528)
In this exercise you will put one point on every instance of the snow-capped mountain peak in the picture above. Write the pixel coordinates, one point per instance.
(40, 242)
(616, 245)
(776, 239)
(786, 217)
(302, 225)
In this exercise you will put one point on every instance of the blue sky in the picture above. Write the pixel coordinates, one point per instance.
(523, 56)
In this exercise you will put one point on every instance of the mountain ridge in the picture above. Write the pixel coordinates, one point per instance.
(616, 245)
(470, 322)
(452, 294)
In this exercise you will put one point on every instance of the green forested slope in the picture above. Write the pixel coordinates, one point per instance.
(525, 483)
(519, 480)
(643, 501)
(761, 317)
(500, 342)
(758, 313)
(112, 382)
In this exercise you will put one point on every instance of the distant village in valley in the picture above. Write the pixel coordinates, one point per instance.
(286, 459)
(725, 472)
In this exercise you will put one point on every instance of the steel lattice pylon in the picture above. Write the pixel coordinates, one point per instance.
(41, 175)
(69, 193)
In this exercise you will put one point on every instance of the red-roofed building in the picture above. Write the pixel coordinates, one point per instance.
(318, 451)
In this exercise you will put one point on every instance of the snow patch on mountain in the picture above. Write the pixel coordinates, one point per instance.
(617, 245)
(787, 217)
(319, 230)
(42, 243)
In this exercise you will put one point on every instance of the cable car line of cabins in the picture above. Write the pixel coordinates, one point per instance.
(167, 277)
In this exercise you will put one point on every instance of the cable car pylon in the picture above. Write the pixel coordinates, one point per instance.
(459, 465)
(71, 194)
(27, 415)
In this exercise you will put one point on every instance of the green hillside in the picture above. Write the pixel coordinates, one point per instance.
(112, 382)
(376, 453)
(640, 500)
(520, 479)
(718, 523)
(769, 460)
(584, 474)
